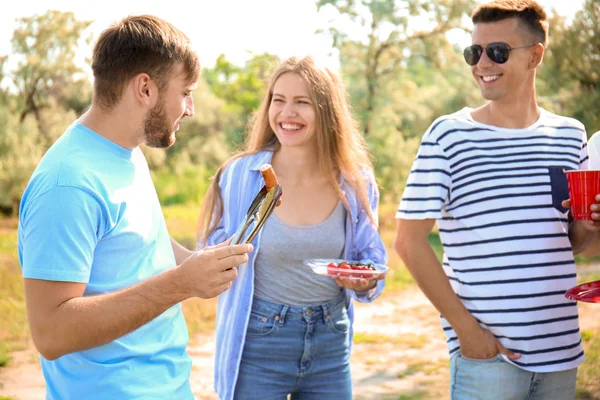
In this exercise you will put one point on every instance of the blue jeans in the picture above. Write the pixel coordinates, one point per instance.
(302, 351)
(496, 379)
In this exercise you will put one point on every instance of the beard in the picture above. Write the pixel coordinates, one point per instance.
(158, 132)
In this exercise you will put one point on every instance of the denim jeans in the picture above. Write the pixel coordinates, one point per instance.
(302, 351)
(496, 379)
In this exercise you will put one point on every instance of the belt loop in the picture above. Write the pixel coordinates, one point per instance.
(282, 315)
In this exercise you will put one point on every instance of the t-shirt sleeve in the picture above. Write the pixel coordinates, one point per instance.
(593, 151)
(428, 185)
(59, 233)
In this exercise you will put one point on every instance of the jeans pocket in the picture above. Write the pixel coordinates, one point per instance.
(260, 324)
(559, 187)
(485, 379)
(338, 321)
(480, 360)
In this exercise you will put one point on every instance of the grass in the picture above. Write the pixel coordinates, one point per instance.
(181, 223)
(4, 356)
(411, 370)
(409, 340)
(14, 330)
(582, 278)
(428, 367)
(415, 395)
(579, 260)
(588, 384)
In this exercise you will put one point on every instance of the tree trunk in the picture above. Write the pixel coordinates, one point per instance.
(32, 107)
(371, 82)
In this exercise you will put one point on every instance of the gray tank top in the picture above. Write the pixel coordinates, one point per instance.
(280, 275)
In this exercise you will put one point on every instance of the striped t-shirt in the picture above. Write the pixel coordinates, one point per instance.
(496, 194)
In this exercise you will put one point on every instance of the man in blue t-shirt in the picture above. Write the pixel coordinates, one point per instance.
(103, 279)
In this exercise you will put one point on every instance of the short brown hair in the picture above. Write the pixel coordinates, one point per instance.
(139, 44)
(529, 12)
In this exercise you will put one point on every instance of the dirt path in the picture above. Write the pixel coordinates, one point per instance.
(399, 352)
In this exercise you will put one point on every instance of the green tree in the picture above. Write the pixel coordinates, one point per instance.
(50, 92)
(202, 139)
(45, 47)
(3, 91)
(571, 71)
(22, 147)
(407, 106)
(242, 88)
(19, 154)
(392, 35)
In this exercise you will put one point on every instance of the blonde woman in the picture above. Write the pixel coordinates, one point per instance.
(282, 329)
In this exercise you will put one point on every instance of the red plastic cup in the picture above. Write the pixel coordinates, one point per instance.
(584, 185)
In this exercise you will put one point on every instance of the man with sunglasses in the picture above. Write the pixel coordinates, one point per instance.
(493, 179)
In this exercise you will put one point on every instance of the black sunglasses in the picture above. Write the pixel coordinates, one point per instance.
(497, 52)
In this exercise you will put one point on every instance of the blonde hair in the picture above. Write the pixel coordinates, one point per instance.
(342, 149)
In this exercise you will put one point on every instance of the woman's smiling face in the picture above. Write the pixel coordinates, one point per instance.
(291, 112)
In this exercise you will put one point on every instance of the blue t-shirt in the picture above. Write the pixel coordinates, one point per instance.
(90, 214)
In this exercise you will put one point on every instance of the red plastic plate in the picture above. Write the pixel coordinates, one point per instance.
(588, 292)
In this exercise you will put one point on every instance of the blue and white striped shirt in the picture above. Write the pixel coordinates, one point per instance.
(496, 195)
(239, 183)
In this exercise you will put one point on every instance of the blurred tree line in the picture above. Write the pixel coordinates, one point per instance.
(399, 79)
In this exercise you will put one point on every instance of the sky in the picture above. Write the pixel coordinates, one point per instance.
(236, 28)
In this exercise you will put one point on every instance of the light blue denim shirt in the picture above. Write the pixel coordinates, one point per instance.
(239, 183)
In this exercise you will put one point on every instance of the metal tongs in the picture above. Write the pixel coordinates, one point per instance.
(261, 208)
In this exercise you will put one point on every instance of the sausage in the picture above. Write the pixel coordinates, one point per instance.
(270, 178)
